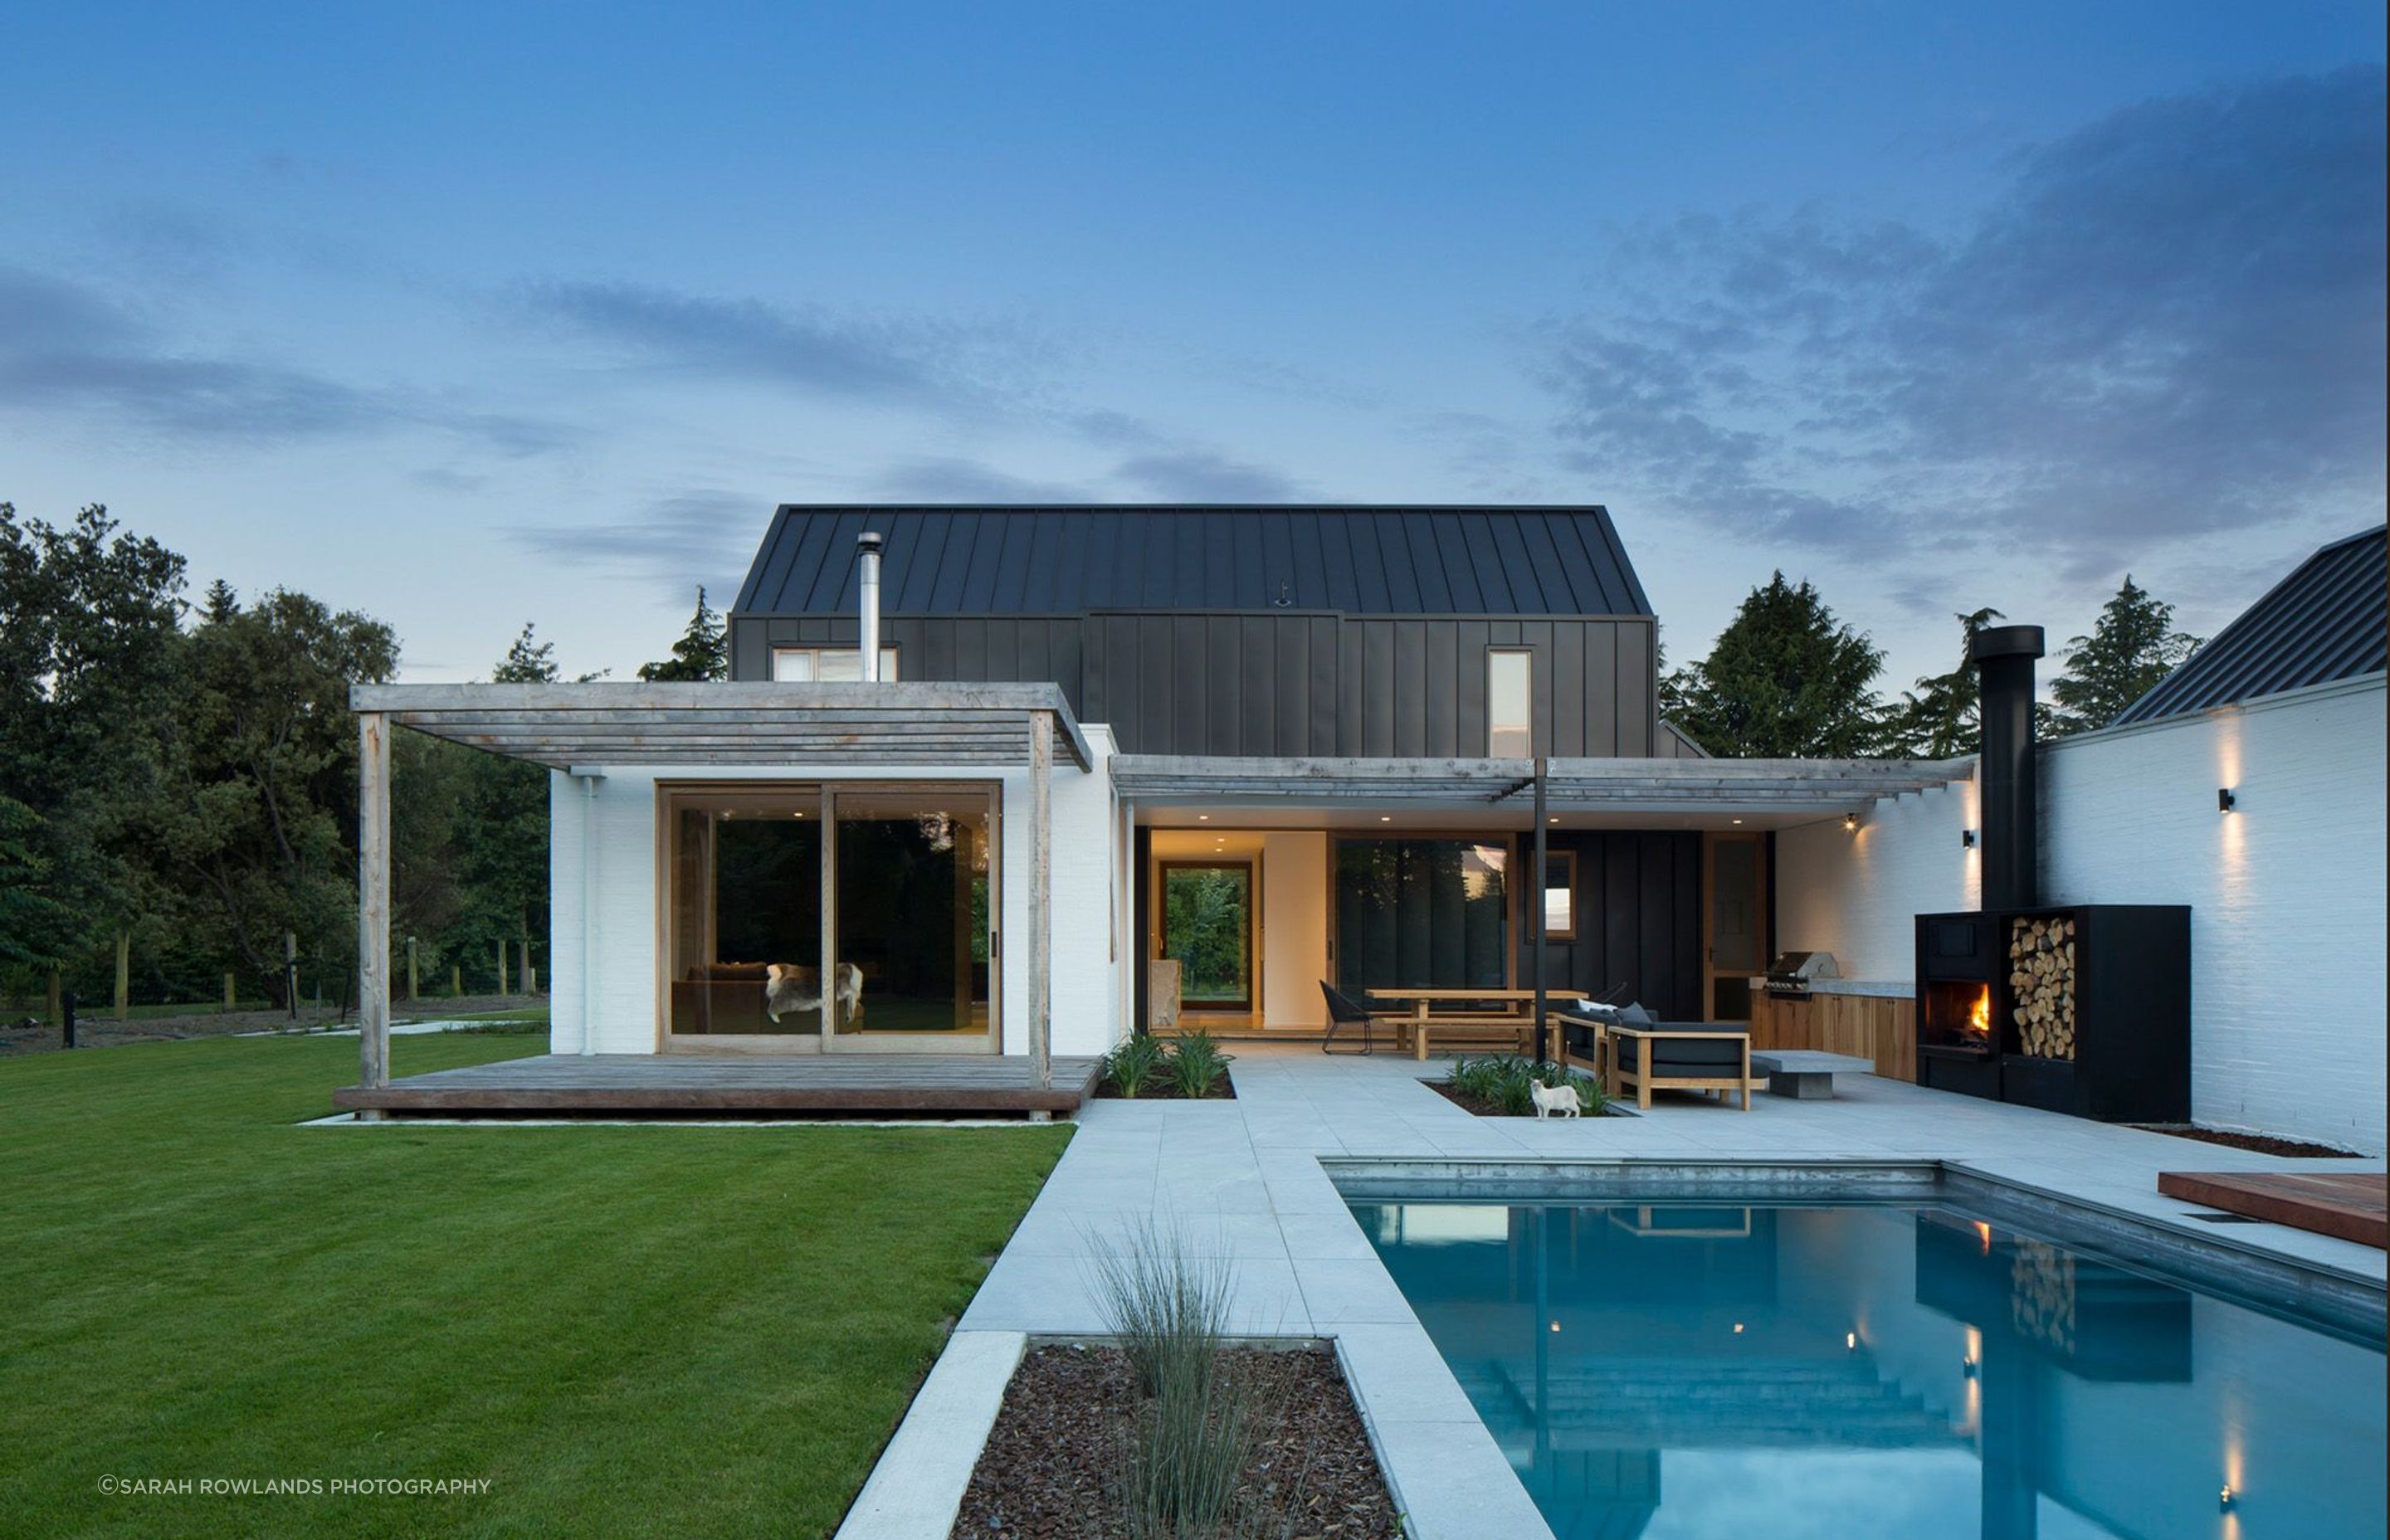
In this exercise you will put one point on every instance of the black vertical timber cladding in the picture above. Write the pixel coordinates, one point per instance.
(1639, 919)
(1273, 683)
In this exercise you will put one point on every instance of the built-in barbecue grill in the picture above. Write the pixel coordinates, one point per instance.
(1788, 975)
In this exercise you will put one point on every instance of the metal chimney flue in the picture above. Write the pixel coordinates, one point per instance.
(2003, 657)
(866, 548)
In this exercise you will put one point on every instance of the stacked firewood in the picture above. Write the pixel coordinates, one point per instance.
(2041, 985)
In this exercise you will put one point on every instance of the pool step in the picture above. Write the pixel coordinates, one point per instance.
(1772, 1403)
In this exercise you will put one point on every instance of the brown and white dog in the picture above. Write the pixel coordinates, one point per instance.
(788, 987)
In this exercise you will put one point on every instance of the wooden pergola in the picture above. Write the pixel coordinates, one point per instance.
(1824, 788)
(583, 729)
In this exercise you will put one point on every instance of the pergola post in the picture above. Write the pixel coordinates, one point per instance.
(373, 901)
(1537, 898)
(1041, 897)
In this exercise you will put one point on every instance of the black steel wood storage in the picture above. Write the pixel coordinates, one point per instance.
(2131, 1024)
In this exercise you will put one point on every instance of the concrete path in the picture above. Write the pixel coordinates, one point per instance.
(1243, 1180)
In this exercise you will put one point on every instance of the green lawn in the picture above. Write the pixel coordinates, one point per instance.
(627, 1331)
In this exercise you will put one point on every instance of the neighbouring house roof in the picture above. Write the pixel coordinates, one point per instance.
(564, 726)
(2329, 620)
(1066, 559)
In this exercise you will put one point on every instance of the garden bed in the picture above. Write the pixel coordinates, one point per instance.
(2262, 1144)
(1221, 1089)
(1483, 1107)
(1056, 1460)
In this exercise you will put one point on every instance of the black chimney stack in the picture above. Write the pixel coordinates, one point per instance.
(2003, 657)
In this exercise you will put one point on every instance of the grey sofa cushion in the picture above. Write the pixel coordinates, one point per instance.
(1700, 1057)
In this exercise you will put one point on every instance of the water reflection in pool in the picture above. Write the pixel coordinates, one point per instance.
(1876, 1370)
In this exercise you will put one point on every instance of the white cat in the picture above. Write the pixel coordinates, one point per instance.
(788, 987)
(1555, 1099)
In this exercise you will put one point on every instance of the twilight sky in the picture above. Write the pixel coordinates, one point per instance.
(474, 314)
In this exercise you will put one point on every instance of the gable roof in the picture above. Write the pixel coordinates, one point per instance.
(1076, 558)
(2329, 620)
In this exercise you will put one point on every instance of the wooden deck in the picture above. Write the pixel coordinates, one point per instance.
(691, 1084)
(2350, 1205)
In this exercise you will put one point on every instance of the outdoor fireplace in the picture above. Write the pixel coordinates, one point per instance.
(2083, 1008)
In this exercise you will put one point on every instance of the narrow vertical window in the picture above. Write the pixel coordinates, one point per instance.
(1560, 895)
(1509, 702)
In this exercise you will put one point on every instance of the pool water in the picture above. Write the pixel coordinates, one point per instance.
(1878, 1370)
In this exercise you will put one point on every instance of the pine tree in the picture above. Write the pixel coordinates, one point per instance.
(701, 653)
(220, 604)
(1785, 680)
(1942, 718)
(527, 661)
(2131, 648)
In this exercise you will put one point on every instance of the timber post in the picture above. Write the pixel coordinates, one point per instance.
(373, 899)
(1538, 895)
(124, 974)
(1041, 897)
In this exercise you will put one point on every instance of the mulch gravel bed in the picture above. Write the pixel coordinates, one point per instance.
(2262, 1144)
(1056, 1455)
(1166, 1089)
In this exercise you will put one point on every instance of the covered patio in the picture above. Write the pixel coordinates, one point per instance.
(999, 739)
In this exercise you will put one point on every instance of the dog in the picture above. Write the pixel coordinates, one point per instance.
(1555, 1099)
(788, 987)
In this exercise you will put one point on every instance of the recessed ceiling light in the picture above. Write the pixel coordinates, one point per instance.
(1202, 817)
(1385, 818)
(1738, 820)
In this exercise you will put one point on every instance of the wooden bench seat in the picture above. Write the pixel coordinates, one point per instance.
(1470, 1029)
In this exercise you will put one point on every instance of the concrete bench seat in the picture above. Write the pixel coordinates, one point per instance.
(1806, 1075)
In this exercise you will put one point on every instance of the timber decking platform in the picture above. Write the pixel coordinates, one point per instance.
(2348, 1205)
(686, 1084)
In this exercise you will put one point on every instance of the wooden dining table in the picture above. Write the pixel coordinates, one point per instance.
(1431, 1008)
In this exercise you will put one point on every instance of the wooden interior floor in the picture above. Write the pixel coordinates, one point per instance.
(565, 1084)
(2349, 1205)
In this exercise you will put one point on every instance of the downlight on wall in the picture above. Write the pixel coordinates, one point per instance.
(2226, 800)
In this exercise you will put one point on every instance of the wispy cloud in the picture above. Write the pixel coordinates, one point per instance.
(698, 536)
(2170, 323)
(1205, 476)
(959, 479)
(67, 349)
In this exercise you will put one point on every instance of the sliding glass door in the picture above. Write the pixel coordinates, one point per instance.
(909, 877)
(1423, 914)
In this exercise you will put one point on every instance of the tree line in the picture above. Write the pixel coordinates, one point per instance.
(178, 786)
(1786, 679)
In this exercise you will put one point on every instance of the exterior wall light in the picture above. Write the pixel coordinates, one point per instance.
(1851, 822)
(2226, 1500)
(2225, 799)
(1967, 836)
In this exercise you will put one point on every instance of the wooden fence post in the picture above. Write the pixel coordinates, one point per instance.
(414, 991)
(231, 990)
(124, 974)
(502, 968)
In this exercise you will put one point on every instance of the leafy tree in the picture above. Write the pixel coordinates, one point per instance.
(252, 821)
(1785, 680)
(1942, 718)
(701, 653)
(2132, 647)
(527, 661)
(35, 929)
(88, 623)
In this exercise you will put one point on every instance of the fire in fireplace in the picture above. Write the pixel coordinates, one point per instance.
(1958, 1017)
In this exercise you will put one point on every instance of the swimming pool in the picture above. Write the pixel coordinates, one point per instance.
(1879, 1368)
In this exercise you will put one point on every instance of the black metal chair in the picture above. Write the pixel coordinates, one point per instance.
(1343, 1012)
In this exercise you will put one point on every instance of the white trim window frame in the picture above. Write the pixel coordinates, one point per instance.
(807, 665)
(1509, 702)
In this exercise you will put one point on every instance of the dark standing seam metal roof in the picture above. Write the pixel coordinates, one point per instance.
(1071, 559)
(2329, 620)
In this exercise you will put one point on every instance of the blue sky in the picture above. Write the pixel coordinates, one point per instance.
(470, 316)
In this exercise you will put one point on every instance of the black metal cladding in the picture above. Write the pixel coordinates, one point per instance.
(1064, 560)
(2003, 658)
(1367, 656)
(2329, 620)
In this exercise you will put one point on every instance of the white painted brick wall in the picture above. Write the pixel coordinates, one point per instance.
(1857, 894)
(1088, 1004)
(2287, 895)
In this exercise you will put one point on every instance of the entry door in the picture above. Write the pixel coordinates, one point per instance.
(1208, 916)
(1735, 915)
